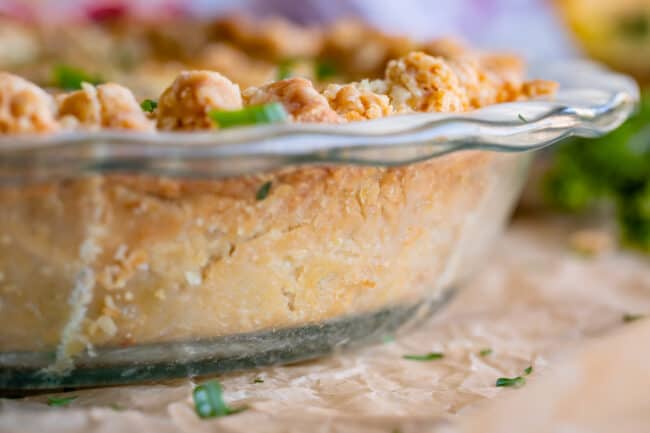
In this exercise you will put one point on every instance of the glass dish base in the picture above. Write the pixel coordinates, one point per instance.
(163, 361)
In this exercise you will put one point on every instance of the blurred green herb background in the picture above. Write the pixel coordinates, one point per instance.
(613, 169)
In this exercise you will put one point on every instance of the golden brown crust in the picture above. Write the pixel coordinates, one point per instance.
(186, 103)
(174, 259)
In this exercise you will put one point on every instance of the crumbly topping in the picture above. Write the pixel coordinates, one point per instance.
(358, 101)
(25, 107)
(299, 97)
(185, 104)
(415, 82)
(420, 82)
(109, 106)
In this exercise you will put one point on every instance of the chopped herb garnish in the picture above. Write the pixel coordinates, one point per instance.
(521, 117)
(324, 69)
(485, 352)
(632, 317)
(431, 356)
(258, 380)
(149, 105)
(70, 78)
(263, 191)
(208, 401)
(60, 401)
(285, 69)
(512, 382)
(117, 407)
(528, 370)
(253, 115)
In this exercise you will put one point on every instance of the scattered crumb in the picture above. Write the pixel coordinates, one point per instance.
(591, 242)
(193, 278)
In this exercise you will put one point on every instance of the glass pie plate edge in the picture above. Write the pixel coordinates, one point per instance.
(592, 101)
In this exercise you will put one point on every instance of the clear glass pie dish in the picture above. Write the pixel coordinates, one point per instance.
(127, 257)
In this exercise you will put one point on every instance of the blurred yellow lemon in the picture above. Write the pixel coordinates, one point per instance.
(616, 32)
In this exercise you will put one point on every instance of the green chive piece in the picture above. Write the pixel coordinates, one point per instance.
(485, 352)
(148, 105)
(511, 382)
(431, 356)
(285, 69)
(528, 370)
(522, 118)
(60, 401)
(253, 115)
(324, 69)
(208, 401)
(263, 191)
(258, 380)
(632, 317)
(70, 78)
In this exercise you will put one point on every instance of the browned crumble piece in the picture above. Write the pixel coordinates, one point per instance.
(186, 103)
(108, 106)
(25, 107)
(298, 96)
(420, 82)
(359, 101)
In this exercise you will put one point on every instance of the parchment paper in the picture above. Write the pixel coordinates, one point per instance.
(536, 303)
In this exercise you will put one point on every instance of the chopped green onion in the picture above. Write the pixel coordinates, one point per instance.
(324, 69)
(149, 105)
(263, 191)
(208, 401)
(70, 78)
(253, 115)
(512, 382)
(285, 69)
(258, 380)
(528, 370)
(60, 401)
(521, 117)
(485, 352)
(632, 317)
(431, 356)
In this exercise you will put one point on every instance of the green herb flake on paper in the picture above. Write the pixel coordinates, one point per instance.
(60, 401)
(521, 117)
(632, 317)
(431, 356)
(511, 382)
(149, 105)
(70, 78)
(485, 352)
(528, 370)
(258, 380)
(263, 191)
(209, 403)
